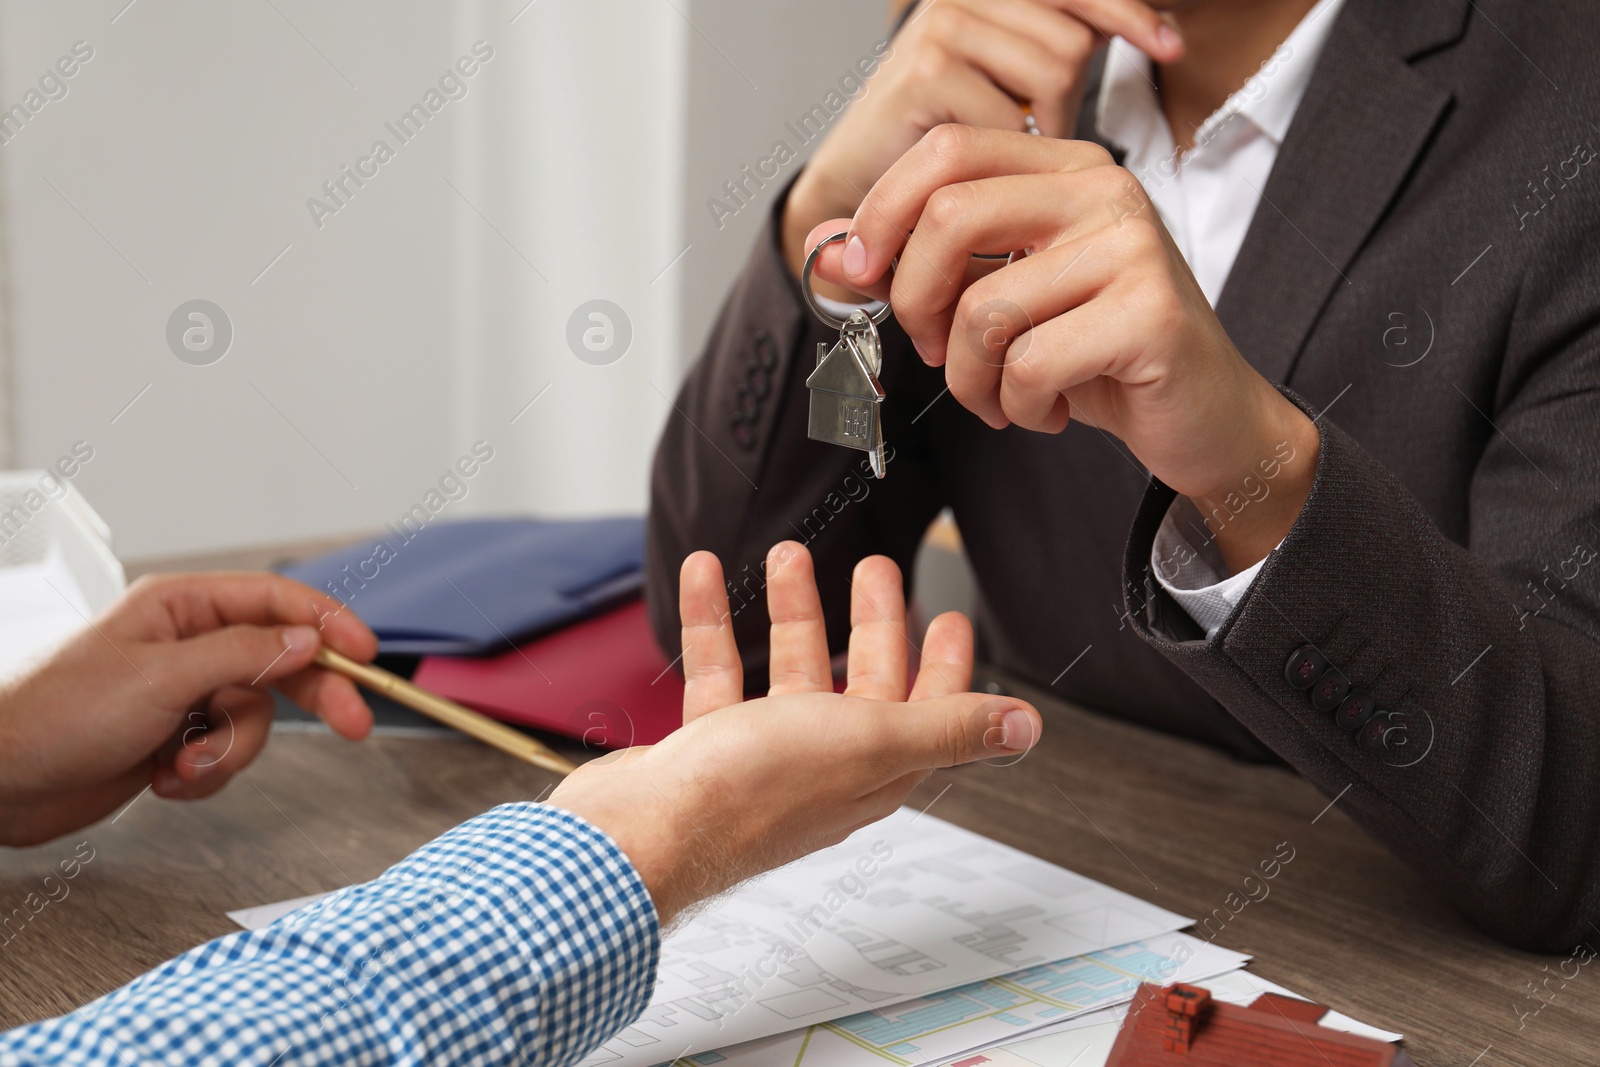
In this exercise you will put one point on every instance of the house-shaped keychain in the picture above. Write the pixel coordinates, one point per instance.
(845, 393)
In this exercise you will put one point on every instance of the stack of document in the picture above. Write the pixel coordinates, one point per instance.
(602, 680)
(1086, 1040)
(911, 942)
(533, 622)
(477, 587)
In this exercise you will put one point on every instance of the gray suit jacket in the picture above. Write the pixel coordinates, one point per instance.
(1424, 271)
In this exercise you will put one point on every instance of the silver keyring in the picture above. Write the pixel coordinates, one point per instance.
(811, 298)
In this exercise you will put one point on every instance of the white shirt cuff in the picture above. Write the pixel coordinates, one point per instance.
(1197, 578)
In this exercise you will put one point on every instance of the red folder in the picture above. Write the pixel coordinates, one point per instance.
(602, 680)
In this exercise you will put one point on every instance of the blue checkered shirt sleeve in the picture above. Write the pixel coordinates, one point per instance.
(521, 937)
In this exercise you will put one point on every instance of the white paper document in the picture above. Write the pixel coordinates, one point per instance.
(905, 907)
(932, 1028)
(1085, 1041)
(267, 914)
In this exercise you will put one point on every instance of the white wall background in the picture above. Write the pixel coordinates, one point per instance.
(428, 311)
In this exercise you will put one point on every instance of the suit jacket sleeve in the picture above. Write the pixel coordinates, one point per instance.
(735, 473)
(1487, 651)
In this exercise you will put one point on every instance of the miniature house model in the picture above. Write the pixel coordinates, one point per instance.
(1184, 1024)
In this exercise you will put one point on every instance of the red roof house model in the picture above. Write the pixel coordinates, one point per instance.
(1184, 1024)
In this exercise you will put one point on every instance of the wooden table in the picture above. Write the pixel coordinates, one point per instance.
(1173, 822)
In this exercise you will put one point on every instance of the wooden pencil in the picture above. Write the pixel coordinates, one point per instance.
(448, 712)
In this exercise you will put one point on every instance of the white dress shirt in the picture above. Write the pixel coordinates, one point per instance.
(1207, 197)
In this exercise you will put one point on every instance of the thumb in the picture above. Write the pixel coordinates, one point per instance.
(832, 261)
(966, 727)
(233, 655)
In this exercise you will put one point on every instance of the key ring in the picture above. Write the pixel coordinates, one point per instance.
(811, 298)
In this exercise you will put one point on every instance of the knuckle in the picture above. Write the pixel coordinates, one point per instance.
(1079, 44)
(932, 63)
(967, 397)
(703, 671)
(1099, 156)
(948, 208)
(1059, 82)
(1019, 414)
(1020, 379)
(985, 304)
(967, 308)
(913, 303)
(986, 332)
(1118, 243)
(150, 585)
(948, 142)
(965, 385)
(1135, 236)
(958, 746)
(946, 22)
(977, 389)
(1118, 183)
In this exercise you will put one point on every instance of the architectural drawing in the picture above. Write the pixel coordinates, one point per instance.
(934, 1028)
(902, 909)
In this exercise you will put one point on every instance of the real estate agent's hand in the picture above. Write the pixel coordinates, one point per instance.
(1103, 322)
(968, 61)
(746, 786)
(167, 689)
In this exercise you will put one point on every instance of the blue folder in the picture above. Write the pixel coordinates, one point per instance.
(480, 585)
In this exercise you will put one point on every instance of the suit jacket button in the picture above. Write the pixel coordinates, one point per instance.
(759, 380)
(1305, 666)
(744, 435)
(1355, 709)
(766, 351)
(1374, 736)
(1330, 690)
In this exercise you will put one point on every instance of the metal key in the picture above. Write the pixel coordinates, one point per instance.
(846, 396)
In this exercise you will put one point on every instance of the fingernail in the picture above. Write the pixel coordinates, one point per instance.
(165, 780)
(855, 257)
(1168, 38)
(1012, 730)
(300, 638)
(202, 762)
(1017, 731)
